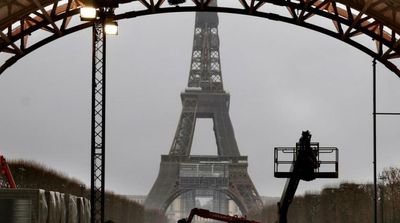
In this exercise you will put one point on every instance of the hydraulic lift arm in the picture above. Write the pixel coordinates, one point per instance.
(215, 216)
(287, 198)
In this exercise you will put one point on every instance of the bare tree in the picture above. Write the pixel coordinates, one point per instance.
(391, 190)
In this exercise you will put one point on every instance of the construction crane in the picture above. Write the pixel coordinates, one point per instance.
(215, 216)
(5, 170)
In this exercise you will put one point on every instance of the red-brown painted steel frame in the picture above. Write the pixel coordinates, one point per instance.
(379, 20)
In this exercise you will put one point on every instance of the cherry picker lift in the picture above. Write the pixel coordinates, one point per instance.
(305, 160)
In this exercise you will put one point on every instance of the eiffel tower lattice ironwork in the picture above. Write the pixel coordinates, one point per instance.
(184, 174)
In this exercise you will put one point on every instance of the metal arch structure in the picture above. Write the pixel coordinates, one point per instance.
(20, 19)
(347, 20)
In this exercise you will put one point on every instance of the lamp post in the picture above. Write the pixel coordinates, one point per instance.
(101, 14)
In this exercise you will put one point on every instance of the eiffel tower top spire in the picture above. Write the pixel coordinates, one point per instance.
(205, 69)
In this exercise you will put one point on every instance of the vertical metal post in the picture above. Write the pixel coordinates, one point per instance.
(374, 141)
(98, 122)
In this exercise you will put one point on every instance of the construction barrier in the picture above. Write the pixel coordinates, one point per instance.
(39, 206)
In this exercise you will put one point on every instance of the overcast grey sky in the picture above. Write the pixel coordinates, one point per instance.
(282, 79)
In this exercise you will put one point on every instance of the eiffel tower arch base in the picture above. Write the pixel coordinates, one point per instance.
(179, 175)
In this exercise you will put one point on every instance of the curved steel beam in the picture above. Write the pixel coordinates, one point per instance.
(372, 26)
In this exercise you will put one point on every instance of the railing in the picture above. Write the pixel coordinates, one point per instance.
(327, 157)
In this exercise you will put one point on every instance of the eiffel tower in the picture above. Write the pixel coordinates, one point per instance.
(223, 177)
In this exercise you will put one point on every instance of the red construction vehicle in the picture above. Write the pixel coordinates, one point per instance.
(215, 216)
(5, 171)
